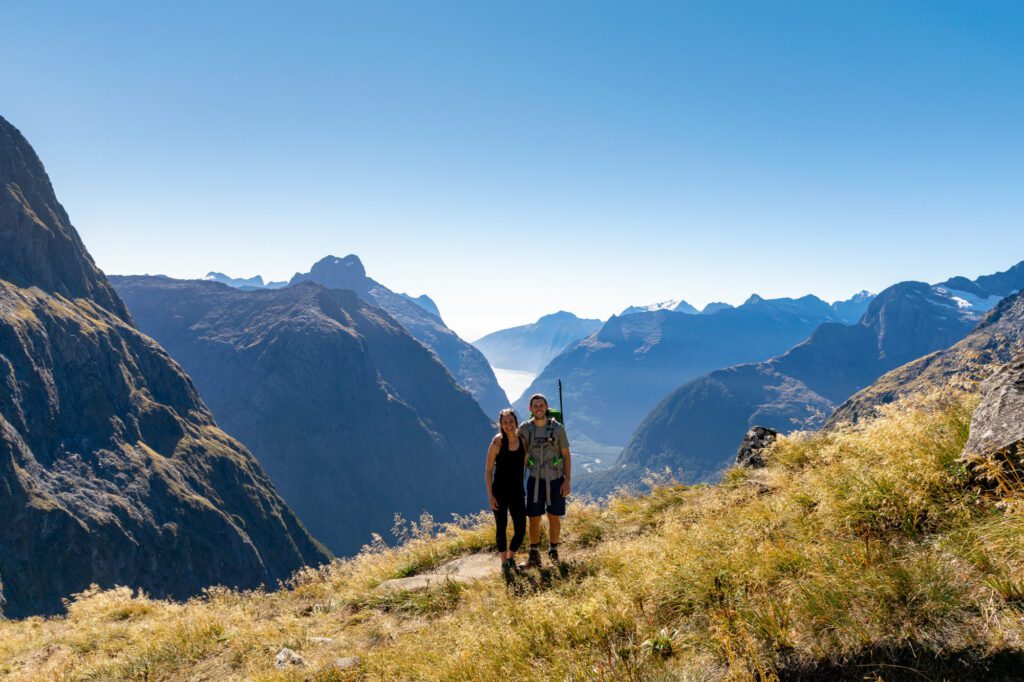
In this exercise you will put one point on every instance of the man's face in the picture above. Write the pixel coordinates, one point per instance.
(538, 408)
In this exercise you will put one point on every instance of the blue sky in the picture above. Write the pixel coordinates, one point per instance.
(608, 153)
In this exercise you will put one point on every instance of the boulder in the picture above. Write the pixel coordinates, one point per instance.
(997, 427)
(462, 570)
(286, 658)
(757, 440)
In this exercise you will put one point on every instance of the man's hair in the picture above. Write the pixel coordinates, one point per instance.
(539, 396)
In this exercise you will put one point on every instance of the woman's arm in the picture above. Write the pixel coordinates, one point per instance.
(492, 453)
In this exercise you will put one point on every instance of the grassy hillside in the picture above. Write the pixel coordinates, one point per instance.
(860, 554)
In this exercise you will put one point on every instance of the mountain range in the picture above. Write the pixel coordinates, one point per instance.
(353, 419)
(112, 469)
(244, 283)
(997, 340)
(418, 314)
(614, 377)
(698, 426)
(675, 305)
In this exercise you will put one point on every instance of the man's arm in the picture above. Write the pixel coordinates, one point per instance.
(563, 444)
(566, 488)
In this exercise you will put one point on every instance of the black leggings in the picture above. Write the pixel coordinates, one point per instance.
(516, 506)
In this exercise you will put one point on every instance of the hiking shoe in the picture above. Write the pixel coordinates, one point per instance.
(553, 555)
(534, 559)
(506, 569)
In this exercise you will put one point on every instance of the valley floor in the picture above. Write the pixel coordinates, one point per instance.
(860, 554)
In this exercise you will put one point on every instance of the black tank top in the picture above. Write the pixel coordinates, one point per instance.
(508, 469)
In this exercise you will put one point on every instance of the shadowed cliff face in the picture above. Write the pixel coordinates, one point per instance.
(467, 364)
(112, 470)
(353, 419)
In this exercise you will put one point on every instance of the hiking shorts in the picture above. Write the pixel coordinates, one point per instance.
(549, 500)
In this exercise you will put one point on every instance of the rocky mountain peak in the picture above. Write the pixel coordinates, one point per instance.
(336, 273)
(40, 246)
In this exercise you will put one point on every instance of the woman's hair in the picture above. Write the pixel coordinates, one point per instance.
(507, 411)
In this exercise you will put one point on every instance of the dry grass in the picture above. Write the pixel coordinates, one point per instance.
(852, 548)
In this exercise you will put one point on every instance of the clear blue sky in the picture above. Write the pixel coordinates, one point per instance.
(615, 153)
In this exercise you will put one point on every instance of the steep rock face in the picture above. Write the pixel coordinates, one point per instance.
(467, 364)
(995, 341)
(40, 248)
(997, 425)
(614, 377)
(112, 470)
(798, 389)
(353, 419)
(532, 346)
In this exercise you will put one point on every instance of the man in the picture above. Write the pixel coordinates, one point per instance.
(550, 470)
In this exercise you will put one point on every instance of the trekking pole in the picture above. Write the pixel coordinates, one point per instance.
(560, 408)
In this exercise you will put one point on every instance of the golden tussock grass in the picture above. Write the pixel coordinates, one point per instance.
(865, 545)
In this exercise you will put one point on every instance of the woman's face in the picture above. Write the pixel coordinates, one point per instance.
(508, 423)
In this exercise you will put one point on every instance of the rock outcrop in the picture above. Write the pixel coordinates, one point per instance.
(353, 419)
(751, 452)
(997, 426)
(112, 470)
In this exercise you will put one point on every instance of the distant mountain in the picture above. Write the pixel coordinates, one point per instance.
(698, 427)
(852, 309)
(532, 346)
(997, 339)
(614, 377)
(987, 290)
(424, 302)
(675, 305)
(246, 284)
(714, 307)
(353, 419)
(467, 364)
(112, 470)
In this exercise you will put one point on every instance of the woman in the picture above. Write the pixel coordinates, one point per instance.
(504, 479)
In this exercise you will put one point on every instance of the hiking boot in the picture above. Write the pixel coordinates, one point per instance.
(533, 561)
(553, 555)
(506, 569)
